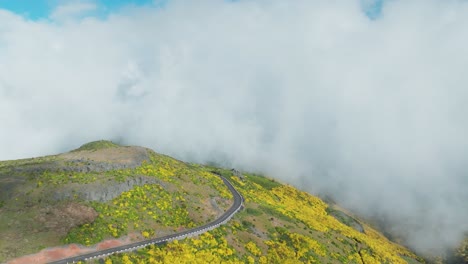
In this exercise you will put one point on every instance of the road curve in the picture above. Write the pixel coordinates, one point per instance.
(238, 203)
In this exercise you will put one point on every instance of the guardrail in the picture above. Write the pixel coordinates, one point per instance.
(224, 218)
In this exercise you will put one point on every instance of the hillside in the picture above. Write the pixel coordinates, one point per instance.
(118, 194)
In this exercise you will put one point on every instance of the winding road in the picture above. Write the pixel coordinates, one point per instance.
(226, 216)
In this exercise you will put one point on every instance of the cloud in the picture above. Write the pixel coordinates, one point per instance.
(311, 92)
(72, 10)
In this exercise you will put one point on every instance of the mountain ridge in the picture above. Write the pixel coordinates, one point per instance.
(279, 222)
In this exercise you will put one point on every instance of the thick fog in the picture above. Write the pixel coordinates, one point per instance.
(314, 93)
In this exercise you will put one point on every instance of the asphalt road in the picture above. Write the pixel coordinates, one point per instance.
(238, 203)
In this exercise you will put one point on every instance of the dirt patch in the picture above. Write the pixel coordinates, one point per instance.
(109, 244)
(49, 255)
(58, 253)
(64, 217)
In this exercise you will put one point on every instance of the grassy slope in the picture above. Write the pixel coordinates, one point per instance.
(181, 198)
(97, 145)
(280, 224)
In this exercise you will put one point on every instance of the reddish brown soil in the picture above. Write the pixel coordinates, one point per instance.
(53, 254)
(48, 255)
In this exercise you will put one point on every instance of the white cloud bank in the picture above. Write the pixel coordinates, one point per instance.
(72, 10)
(311, 92)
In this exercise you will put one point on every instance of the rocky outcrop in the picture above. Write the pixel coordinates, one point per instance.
(35, 169)
(78, 165)
(102, 191)
(92, 166)
(238, 174)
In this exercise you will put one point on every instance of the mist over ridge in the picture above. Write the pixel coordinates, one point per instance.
(313, 93)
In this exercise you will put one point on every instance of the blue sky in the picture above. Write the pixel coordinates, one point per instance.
(37, 9)
(374, 8)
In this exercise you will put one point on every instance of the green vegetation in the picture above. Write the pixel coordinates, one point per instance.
(97, 145)
(270, 230)
(151, 206)
(61, 177)
(252, 211)
(279, 224)
(143, 208)
(272, 211)
(266, 183)
(342, 217)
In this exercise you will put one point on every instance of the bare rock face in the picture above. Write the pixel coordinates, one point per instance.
(238, 174)
(102, 191)
(66, 216)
